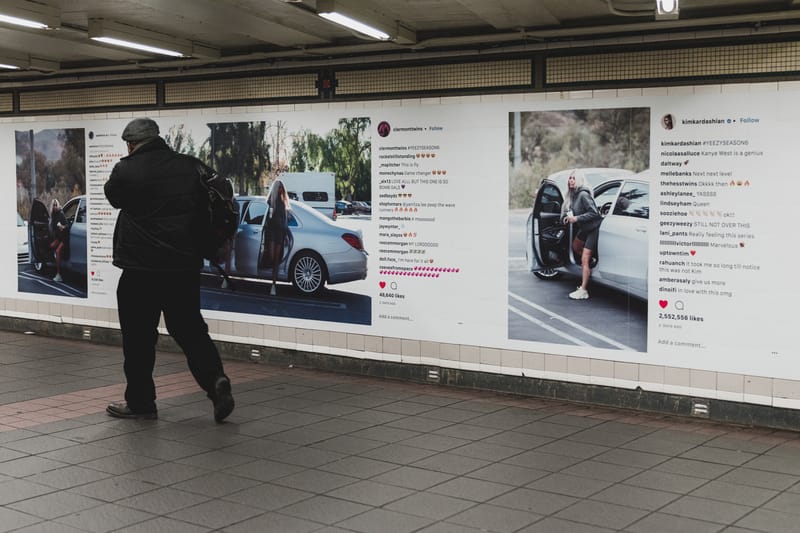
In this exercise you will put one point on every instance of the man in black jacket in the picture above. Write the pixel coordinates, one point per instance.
(157, 244)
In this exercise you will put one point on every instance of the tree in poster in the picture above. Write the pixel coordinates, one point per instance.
(240, 151)
(346, 151)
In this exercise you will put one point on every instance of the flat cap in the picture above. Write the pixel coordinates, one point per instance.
(140, 129)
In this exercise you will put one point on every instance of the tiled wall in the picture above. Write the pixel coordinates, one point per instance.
(681, 381)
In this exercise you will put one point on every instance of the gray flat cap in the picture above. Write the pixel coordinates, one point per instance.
(140, 129)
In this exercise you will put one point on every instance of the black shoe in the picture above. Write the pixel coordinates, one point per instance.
(223, 399)
(121, 410)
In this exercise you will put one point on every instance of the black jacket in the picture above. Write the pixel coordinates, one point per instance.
(585, 210)
(164, 210)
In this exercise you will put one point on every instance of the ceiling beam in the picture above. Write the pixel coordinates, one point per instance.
(506, 14)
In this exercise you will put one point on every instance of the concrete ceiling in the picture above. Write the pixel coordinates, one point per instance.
(284, 33)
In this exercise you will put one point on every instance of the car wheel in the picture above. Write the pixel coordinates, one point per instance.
(308, 273)
(547, 273)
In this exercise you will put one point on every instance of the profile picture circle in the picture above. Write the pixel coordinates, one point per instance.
(668, 121)
(384, 129)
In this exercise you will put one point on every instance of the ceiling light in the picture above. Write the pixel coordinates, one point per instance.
(667, 9)
(8, 67)
(364, 18)
(37, 15)
(126, 36)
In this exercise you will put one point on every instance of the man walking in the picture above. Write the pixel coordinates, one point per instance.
(157, 244)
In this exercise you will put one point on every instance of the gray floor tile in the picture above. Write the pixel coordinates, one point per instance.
(274, 522)
(557, 525)
(50, 527)
(434, 442)
(759, 478)
(548, 429)
(508, 474)
(384, 521)
(664, 523)
(54, 505)
(164, 524)
(268, 497)
(451, 463)
(215, 484)
(121, 463)
(15, 490)
(534, 501)
(28, 466)
(430, 505)
(69, 476)
(602, 471)
(398, 453)
(769, 521)
(12, 520)
(569, 485)
(316, 481)
(542, 461)
(602, 514)
(108, 517)
(413, 478)
(708, 510)
(476, 490)
(371, 493)
(325, 510)
(638, 497)
(215, 514)
(733, 493)
(693, 468)
(666, 481)
(162, 501)
(360, 467)
(718, 455)
(492, 518)
(631, 458)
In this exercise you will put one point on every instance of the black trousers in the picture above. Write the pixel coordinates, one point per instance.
(141, 298)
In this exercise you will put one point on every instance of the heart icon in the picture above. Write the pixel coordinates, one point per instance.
(93, 270)
(382, 284)
(692, 252)
(663, 303)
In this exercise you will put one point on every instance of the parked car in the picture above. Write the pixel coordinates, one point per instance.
(40, 254)
(621, 260)
(343, 207)
(320, 251)
(362, 208)
(22, 239)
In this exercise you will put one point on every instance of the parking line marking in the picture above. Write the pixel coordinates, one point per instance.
(548, 327)
(570, 323)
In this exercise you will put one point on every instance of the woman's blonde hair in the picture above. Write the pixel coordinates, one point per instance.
(277, 190)
(580, 182)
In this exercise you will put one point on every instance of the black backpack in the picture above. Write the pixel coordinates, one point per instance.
(223, 217)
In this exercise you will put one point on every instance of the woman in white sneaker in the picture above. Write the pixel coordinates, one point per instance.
(58, 229)
(580, 209)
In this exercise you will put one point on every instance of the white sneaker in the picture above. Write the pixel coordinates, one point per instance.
(58, 278)
(579, 294)
(224, 283)
(272, 291)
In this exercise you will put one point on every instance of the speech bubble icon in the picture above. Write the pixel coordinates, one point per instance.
(679, 305)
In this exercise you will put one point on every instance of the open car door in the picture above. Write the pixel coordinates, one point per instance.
(549, 239)
(39, 235)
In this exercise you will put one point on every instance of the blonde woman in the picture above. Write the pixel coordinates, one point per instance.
(58, 231)
(581, 209)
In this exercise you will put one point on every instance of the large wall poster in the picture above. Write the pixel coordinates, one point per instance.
(51, 202)
(702, 183)
(611, 148)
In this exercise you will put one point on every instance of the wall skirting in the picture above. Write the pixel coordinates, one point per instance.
(723, 411)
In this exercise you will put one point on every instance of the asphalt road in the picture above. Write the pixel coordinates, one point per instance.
(28, 280)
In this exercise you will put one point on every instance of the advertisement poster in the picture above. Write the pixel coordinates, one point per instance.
(452, 223)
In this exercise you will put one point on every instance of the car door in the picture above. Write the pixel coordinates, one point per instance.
(548, 242)
(248, 238)
(39, 235)
(623, 239)
(75, 212)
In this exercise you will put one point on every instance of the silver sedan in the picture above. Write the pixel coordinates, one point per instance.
(320, 251)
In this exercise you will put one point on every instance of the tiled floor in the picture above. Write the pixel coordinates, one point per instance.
(309, 451)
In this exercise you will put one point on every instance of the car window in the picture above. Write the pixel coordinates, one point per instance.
(604, 196)
(70, 210)
(292, 220)
(80, 217)
(315, 196)
(550, 199)
(20, 220)
(634, 200)
(255, 213)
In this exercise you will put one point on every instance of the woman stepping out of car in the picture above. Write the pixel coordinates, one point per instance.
(277, 227)
(580, 209)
